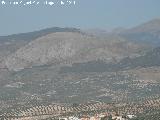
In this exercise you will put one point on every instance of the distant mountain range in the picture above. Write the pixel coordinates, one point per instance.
(148, 32)
(67, 48)
(71, 45)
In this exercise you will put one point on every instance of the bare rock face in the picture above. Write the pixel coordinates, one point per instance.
(65, 47)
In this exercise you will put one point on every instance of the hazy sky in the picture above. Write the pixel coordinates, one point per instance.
(104, 14)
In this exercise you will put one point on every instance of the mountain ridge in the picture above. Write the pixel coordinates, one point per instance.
(68, 47)
(148, 32)
(37, 33)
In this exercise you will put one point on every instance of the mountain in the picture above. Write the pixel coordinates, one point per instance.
(68, 47)
(10, 43)
(152, 26)
(149, 59)
(148, 32)
(36, 34)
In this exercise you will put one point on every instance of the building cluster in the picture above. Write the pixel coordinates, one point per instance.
(100, 116)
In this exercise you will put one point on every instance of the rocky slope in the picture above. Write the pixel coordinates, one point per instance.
(148, 32)
(68, 47)
(149, 59)
(11, 43)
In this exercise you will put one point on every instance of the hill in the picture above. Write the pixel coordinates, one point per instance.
(148, 32)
